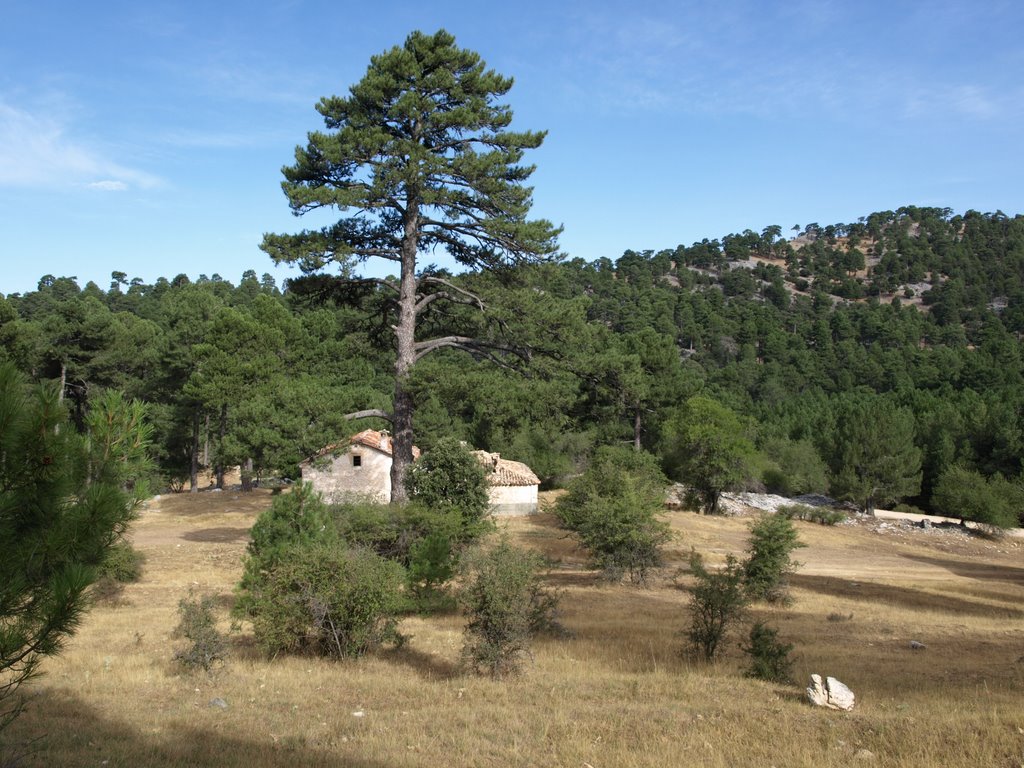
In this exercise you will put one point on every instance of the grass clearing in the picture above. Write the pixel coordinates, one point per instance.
(617, 693)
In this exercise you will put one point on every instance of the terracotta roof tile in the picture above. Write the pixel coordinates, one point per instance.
(371, 438)
(504, 471)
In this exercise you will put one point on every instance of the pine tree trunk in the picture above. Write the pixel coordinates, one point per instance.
(221, 431)
(206, 443)
(636, 429)
(193, 470)
(247, 475)
(405, 335)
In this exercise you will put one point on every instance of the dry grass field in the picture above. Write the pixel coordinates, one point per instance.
(616, 693)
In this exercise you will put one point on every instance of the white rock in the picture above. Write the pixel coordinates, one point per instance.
(831, 694)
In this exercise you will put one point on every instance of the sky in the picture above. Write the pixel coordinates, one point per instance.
(148, 137)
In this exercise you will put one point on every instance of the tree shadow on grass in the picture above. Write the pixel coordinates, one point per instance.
(428, 666)
(973, 569)
(223, 535)
(60, 729)
(904, 597)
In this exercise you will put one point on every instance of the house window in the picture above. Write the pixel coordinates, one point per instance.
(357, 461)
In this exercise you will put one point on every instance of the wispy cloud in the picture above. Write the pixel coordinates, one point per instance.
(37, 151)
(970, 101)
(108, 185)
(820, 57)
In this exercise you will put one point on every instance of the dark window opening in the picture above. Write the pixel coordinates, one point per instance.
(357, 461)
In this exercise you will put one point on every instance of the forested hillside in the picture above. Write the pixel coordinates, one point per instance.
(901, 331)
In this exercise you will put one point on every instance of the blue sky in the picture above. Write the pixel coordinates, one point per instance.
(148, 137)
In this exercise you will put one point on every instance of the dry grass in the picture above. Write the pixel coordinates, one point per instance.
(618, 693)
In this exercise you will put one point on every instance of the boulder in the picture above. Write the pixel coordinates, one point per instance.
(831, 693)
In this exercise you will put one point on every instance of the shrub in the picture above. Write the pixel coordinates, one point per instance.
(506, 605)
(795, 511)
(449, 478)
(424, 541)
(908, 509)
(717, 601)
(798, 468)
(966, 494)
(824, 516)
(431, 564)
(393, 530)
(123, 563)
(772, 539)
(820, 515)
(293, 519)
(769, 658)
(614, 508)
(327, 598)
(198, 625)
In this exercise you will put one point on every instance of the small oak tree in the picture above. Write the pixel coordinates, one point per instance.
(710, 451)
(418, 157)
(615, 508)
(963, 493)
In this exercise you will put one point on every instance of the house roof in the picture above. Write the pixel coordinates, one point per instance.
(504, 471)
(371, 438)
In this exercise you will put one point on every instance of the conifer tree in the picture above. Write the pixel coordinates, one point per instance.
(417, 158)
(63, 504)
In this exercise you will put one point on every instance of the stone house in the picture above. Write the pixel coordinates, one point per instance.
(357, 469)
(361, 469)
(513, 485)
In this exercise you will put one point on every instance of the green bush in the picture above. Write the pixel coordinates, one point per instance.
(614, 507)
(824, 516)
(448, 478)
(123, 563)
(717, 601)
(431, 564)
(820, 515)
(425, 541)
(328, 599)
(769, 658)
(908, 509)
(772, 539)
(393, 530)
(776, 481)
(506, 605)
(293, 519)
(206, 646)
(964, 493)
(797, 468)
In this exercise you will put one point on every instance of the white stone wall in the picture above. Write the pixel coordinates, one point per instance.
(339, 480)
(513, 499)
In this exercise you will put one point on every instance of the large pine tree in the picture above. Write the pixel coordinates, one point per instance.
(417, 157)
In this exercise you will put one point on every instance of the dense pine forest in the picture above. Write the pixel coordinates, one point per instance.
(895, 340)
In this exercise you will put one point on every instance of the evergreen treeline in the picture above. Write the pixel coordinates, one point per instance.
(901, 331)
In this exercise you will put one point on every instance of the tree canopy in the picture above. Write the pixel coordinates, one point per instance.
(618, 344)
